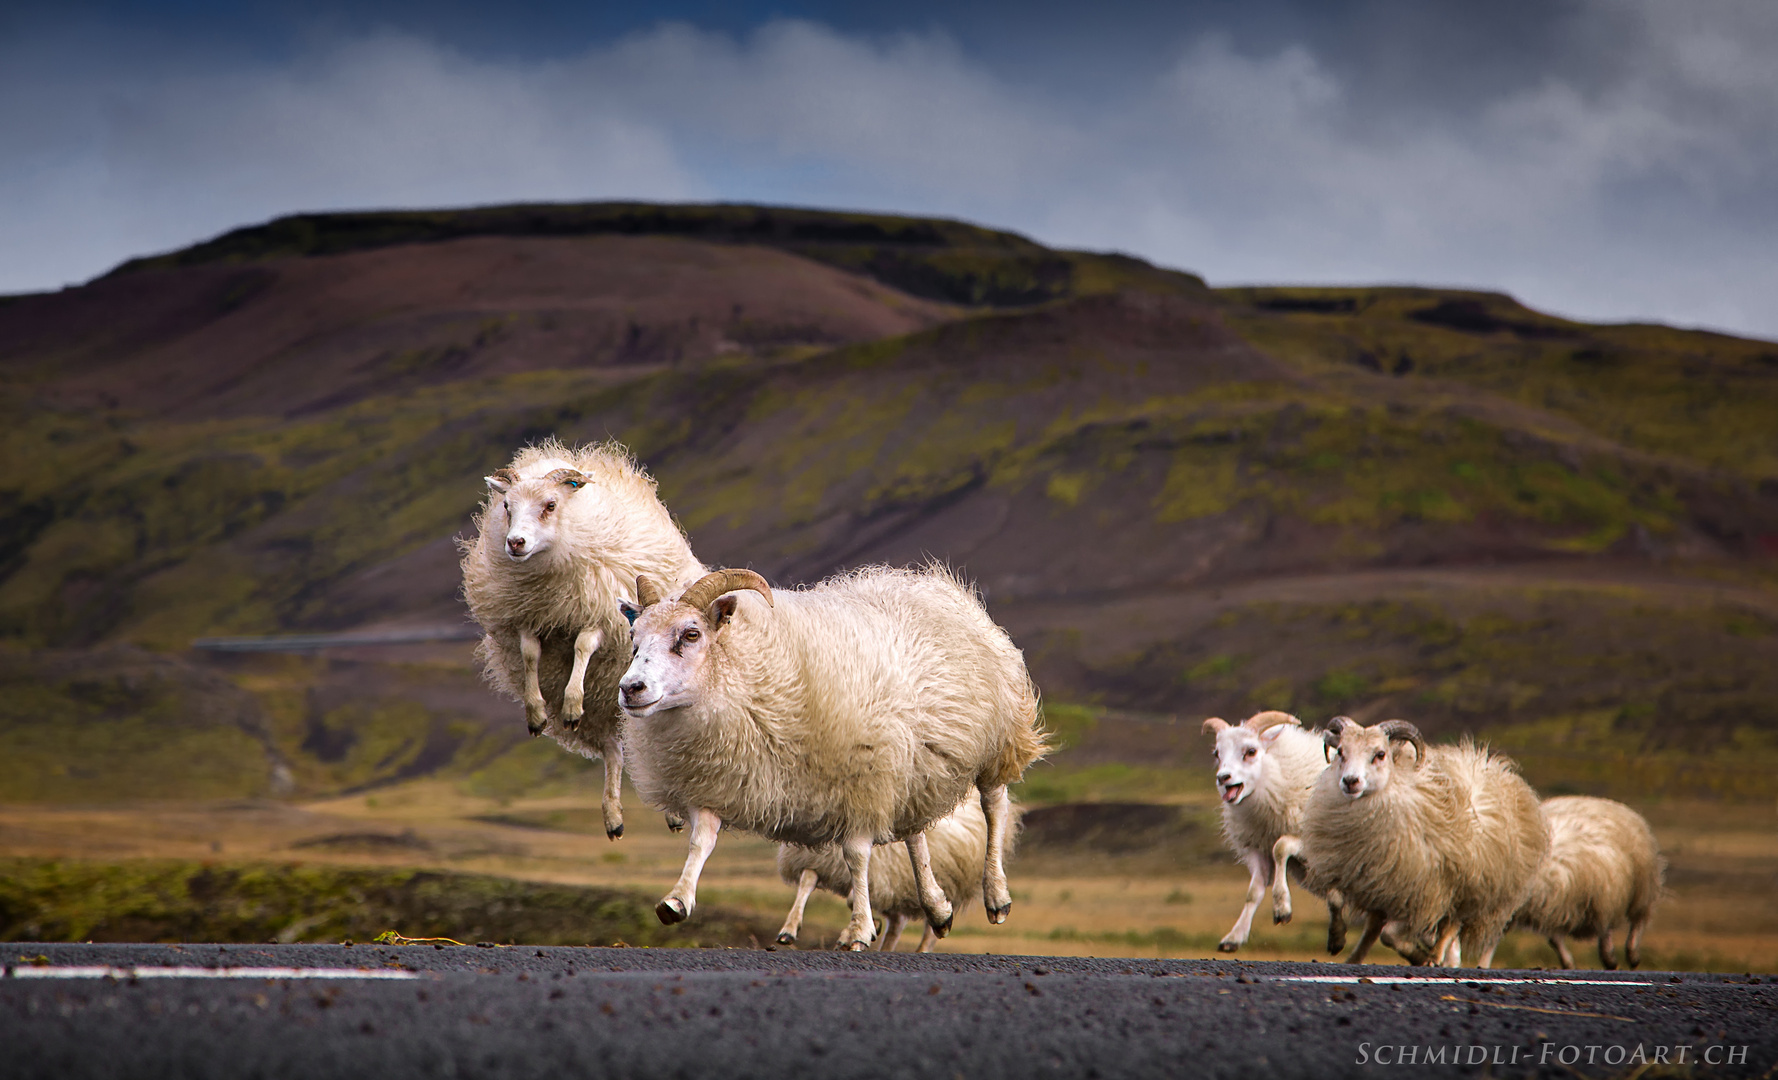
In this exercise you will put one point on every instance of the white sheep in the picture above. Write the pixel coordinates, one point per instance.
(855, 712)
(1265, 769)
(558, 546)
(957, 844)
(1603, 869)
(1443, 841)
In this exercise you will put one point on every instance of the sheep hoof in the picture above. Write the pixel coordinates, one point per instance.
(997, 915)
(941, 929)
(675, 824)
(787, 939)
(1227, 946)
(612, 832)
(1279, 918)
(854, 946)
(534, 729)
(672, 910)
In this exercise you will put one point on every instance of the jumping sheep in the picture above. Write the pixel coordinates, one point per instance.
(1442, 840)
(856, 712)
(1603, 869)
(558, 545)
(957, 844)
(1265, 769)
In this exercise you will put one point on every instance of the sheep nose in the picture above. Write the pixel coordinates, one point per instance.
(515, 544)
(634, 688)
(1351, 782)
(1223, 777)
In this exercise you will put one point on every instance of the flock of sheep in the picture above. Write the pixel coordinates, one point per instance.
(872, 723)
(879, 712)
(1440, 848)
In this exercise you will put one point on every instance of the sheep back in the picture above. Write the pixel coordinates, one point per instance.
(1604, 868)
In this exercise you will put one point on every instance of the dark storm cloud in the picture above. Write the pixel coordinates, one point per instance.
(1606, 158)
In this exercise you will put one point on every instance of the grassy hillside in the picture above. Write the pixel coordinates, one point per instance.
(1426, 503)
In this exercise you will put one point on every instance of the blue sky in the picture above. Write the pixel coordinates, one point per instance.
(1608, 159)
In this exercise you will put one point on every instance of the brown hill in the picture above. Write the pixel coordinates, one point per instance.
(1380, 501)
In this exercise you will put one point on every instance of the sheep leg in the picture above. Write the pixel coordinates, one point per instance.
(678, 905)
(892, 932)
(996, 897)
(1257, 870)
(793, 922)
(1447, 951)
(1336, 922)
(586, 643)
(927, 940)
(932, 898)
(611, 801)
(857, 934)
(1373, 928)
(1282, 852)
(1633, 943)
(1565, 957)
(1607, 955)
(536, 714)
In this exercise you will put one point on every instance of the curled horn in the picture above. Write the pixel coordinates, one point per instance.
(648, 592)
(1267, 720)
(1331, 737)
(1405, 732)
(1216, 725)
(707, 588)
(574, 478)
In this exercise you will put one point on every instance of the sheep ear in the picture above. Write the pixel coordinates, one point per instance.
(1270, 735)
(501, 480)
(723, 609)
(630, 610)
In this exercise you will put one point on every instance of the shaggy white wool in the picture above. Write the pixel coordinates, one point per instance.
(1604, 869)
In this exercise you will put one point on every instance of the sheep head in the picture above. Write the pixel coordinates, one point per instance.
(528, 509)
(1364, 758)
(673, 639)
(1240, 751)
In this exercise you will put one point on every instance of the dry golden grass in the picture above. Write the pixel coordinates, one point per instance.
(1718, 915)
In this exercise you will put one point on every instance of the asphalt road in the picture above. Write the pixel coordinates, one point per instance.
(389, 1013)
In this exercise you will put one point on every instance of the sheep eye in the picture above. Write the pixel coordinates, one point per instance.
(692, 634)
(548, 506)
(506, 507)
(1379, 756)
(1250, 752)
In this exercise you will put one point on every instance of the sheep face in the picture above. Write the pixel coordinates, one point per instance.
(1240, 756)
(530, 509)
(1364, 759)
(672, 645)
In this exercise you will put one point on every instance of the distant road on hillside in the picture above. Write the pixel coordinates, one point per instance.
(72, 1011)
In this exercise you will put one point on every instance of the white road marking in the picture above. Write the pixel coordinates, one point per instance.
(26, 971)
(1449, 981)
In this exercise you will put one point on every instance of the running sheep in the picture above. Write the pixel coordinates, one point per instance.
(1265, 769)
(1444, 841)
(957, 844)
(1603, 869)
(558, 546)
(856, 712)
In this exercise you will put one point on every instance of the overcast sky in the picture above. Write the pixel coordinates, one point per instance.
(1604, 159)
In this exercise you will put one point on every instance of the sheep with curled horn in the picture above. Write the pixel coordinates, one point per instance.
(857, 712)
(1265, 769)
(1442, 841)
(558, 545)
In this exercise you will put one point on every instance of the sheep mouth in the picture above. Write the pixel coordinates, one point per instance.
(1232, 793)
(639, 708)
